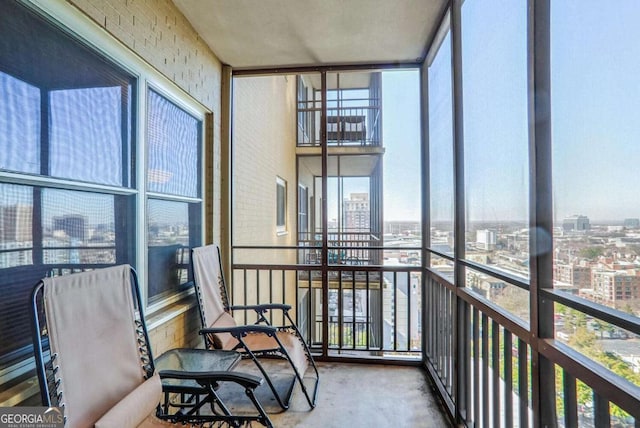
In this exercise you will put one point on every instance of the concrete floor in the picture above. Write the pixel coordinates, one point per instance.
(364, 396)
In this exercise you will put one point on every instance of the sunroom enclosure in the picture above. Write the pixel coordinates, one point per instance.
(527, 314)
(471, 212)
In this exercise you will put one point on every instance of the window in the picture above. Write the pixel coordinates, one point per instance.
(69, 198)
(496, 146)
(281, 205)
(594, 105)
(85, 218)
(303, 211)
(174, 213)
(441, 148)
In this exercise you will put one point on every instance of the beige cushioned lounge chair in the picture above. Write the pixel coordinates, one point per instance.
(256, 340)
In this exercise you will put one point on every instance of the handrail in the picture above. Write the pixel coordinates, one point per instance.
(605, 313)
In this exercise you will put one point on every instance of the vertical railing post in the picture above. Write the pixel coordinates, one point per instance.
(427, 326)
(325, 225)
(541, 210)
(460, 331)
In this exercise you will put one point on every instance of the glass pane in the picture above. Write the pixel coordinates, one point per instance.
(309, 107)
(20, 125)
(441, 149)
(50, 231)
(73, 223)
(443, 267)
(16, 225)
(401, 160)
(496, 143)
(264, 151)
(173, 228)
(595, 64)
(613, 347)
(353, 202)
(89, 149)
(281, 204)
(17, 277)
(309, 170)
(513, 299)
(74, 114)
(173, 145)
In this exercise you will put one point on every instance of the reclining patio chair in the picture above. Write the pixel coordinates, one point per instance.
(256, 340)
(94, 360)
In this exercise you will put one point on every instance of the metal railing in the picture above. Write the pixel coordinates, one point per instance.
(346, 126)
(369, 311)
(352, 248)
(485, 361)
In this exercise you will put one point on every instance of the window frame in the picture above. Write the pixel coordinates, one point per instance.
(281, 228)
(181, 103)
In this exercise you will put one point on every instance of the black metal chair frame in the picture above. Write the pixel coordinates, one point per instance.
(192, 399)
(262, 325)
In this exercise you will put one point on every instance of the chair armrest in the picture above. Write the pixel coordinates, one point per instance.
(241, 330)
(246, 380)
(262, 307)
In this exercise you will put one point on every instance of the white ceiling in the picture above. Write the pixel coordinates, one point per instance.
(277, 33)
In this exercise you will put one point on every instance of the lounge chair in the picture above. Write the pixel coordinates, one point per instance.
(94, 360)
(256, 340)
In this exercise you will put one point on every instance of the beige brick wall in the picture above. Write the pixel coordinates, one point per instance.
(264, 143)
(179, 332)
(264, 146)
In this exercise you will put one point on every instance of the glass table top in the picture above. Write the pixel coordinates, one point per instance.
(195, 360)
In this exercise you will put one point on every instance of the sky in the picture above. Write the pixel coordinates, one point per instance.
(595, 94)
(401, 140)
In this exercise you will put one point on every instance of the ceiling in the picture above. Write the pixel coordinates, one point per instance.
(279, 33)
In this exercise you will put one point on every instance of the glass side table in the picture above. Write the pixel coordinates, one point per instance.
(186, 397)
(194, 360)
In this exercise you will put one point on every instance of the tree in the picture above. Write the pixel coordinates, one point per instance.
(591, 253)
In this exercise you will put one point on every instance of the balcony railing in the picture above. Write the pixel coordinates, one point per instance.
(346, 126)
(485, 362)
(351, 248)
(370, 311)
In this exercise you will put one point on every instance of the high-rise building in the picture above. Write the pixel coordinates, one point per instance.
(486, 239)
(357, 213)
(576, 223)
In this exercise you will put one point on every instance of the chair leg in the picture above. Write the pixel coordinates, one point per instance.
(312, 402)
(265, 375)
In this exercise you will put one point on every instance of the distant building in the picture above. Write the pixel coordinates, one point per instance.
(575, 275)
(485, 285)
(16, 223)
(357, 213)
(403, 227)
(611, 286)
(486, 239)
(632, 223)
(73, 225)
(576, 223)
